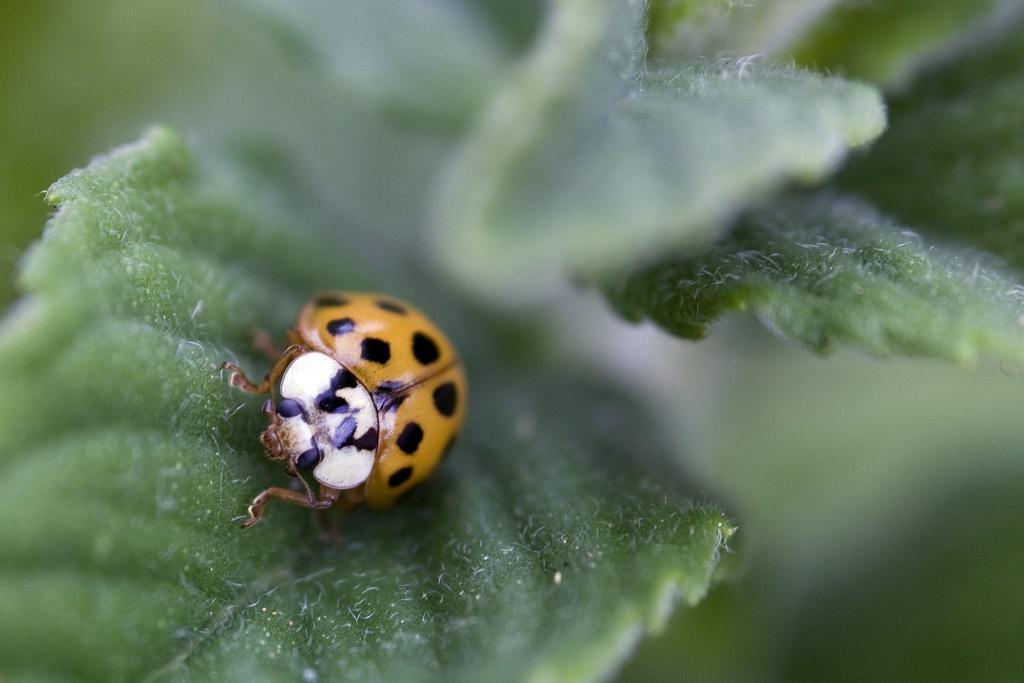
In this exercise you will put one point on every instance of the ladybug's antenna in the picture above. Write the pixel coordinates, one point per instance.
(298, 475)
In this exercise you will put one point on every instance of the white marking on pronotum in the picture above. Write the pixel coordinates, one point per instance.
(308, 377)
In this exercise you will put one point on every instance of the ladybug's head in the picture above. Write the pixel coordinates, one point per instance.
(326, 421)
(289, 437)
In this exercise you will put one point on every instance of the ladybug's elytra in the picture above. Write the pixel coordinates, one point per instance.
(372, 395)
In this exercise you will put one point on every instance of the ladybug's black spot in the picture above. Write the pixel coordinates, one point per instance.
(343, 434)
(368, 441)
(341, 326)
(409, 439)
(308, 459)
(445, 398)
(289, 407)
(329, 401)
(343, 379)
(390, 306)
(424, 349)
(399, 477)
(332, 404)
(376, 350)
(330, 300)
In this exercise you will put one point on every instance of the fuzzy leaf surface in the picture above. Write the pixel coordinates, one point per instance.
(827, 271)
(952, 162)
(542, 551)
(586, 156)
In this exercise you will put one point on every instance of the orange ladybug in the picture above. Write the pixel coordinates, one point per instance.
(372, 395)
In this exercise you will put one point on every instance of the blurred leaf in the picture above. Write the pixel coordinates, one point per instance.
(416, 62)
(952, 162)
(943, 603)
(827, 271)
(684, 25)
(886, 42)
(685, 29)
(67, 70)
(890, 42)
(361, 125)
(543, 550)
(833, 466)
(350, 109)
(586, 158)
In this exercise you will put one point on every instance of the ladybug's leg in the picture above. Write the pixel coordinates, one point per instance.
(351, 499)
(239, 379)
(328, 522)
(305, 499)
(264, 343)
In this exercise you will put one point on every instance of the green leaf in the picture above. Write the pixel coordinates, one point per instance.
(851, 471)
(585, 157)
(939, 603)
(689, 27)
(350, 107)
(376, 52)
(952, 162)
(887, 42)
(684, 29)
(890, 42)
(826, 272)
(70, 75)
(543, 551)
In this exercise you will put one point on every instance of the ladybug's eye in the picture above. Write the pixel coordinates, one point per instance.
(289, 407)
(308, 459)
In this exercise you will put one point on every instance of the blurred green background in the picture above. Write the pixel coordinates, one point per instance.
(879, 501)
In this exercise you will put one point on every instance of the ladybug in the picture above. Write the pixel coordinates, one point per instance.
(372, 395)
